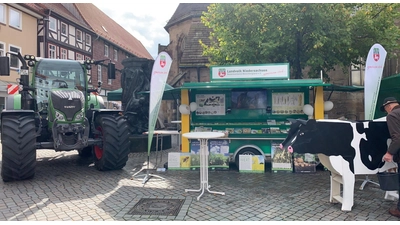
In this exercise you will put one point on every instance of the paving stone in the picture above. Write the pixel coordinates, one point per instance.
(66, 187)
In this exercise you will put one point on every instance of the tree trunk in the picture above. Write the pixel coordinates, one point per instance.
(297, 64)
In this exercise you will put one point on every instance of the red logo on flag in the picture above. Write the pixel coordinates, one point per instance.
(376, 54)
(163, 61)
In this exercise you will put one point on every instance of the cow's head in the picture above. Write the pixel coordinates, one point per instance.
(301, 132)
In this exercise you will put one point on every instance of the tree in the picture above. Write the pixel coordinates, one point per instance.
(318, 36)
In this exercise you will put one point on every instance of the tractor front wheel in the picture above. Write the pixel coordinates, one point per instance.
(112, 154)
(18, 147)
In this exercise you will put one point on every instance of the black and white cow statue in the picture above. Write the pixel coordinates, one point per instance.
(345, 148)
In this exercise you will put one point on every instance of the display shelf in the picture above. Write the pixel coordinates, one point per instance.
(236, 124)
(257, 135)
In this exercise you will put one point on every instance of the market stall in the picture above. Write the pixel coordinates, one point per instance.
(251, 103)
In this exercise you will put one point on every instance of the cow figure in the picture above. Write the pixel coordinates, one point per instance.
(346, 148)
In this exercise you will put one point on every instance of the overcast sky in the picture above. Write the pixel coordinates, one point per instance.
(145, 20)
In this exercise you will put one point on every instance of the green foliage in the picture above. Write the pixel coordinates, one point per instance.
(319, 36)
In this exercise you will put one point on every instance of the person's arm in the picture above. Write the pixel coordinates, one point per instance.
(394, 130)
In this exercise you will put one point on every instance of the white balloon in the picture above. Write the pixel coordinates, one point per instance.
(328, 105)
(193, 106)
(308, 109)
(184, 109)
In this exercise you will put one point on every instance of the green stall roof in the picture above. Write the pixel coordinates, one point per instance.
(169, 94)
(390, 87)
(334, 87)
(115, 95)
(281, 84)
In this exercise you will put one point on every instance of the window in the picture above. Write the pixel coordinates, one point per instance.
(79, 56)
(357, 74)
(64, 29)
(78, 35)
(2, 13)
(245, 99)
(115, 54)
(99, 77)
(14, 61)
(88, 39)
(15, 19)
(52, 24)
(52, 51)
(2, 49)
(106, 50)
(63, 53)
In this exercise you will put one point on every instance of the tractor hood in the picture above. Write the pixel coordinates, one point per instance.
(67, 101)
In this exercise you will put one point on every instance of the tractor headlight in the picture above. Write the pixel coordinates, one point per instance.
(59, 116)
(31, 63)
(79, 116)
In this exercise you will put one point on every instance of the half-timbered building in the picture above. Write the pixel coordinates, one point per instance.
(18, 33)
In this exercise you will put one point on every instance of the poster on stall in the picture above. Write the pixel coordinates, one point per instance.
(218, 159)
(179, 161)
(287, 103)
(218, 155)
(251, 163)
(195, 154)
(210, 104)
(281, 159)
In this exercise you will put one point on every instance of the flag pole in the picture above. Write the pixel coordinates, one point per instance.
(372, 80)
(159, 76)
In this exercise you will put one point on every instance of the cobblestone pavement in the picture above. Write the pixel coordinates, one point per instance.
(67, 187)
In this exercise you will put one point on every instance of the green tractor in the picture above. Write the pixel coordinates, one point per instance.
(55, 109)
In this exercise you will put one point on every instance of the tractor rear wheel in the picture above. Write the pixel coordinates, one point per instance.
(112, 154)
(18, 147)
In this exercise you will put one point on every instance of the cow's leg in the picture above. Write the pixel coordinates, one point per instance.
(335, 178)
(348, 191)
(336, 181)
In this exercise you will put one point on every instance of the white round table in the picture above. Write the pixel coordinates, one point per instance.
(160, 133)
(203, 138)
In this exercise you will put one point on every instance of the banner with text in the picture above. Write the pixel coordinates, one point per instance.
(250, 72)
(159, 76)
(372, 81)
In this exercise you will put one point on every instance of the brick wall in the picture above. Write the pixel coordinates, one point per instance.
(98, 54)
